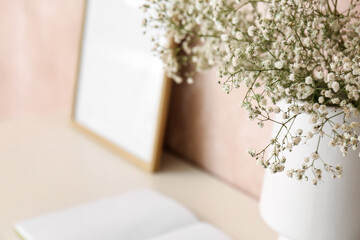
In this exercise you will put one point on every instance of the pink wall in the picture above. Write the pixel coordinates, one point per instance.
(38, 49)
(208, 127)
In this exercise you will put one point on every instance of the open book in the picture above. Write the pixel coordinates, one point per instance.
(138, 215)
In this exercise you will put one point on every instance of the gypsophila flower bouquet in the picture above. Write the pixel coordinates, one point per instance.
(306, 53)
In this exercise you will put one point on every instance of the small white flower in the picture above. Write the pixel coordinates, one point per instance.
(219, 25)
(354, 124)
(328, 94)
(356, 71)
(225, 37)
(313, 119)
(239, 35)
(190, 80)
(319, 75)
(263, 102)
(308, 80)
(289, 146)
(330, 77)
(235, 20)
(323, 108)
(191, 9)
(292, 77)
(335, 100)
(347, 66)
(251, 31)
(335, 86)
(307, 41)
(296, 140)
(198, 19)
(252, 152)
(226, 87)
(235, 61)
(332, 143)
(305, 92)
(315, 156)
(287, 91)
(266, 35)
(266, 63)
(177, 79)
(309, 135)
(347, 135)
(276, 109)
(279, 64)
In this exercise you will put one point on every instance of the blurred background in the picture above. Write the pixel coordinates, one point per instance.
(38, 60)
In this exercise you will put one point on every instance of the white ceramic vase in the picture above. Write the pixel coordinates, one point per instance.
(301, 211)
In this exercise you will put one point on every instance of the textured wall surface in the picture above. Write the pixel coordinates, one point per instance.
(208, 127)
(38, 50)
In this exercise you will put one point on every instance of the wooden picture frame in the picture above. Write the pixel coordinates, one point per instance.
(161, 114)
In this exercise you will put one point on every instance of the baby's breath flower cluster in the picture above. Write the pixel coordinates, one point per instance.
(303, 52)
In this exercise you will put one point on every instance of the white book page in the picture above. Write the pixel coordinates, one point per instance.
(136, 215)
(197, 231)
